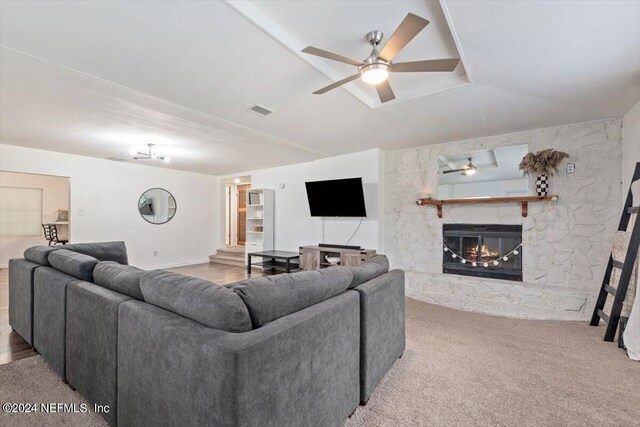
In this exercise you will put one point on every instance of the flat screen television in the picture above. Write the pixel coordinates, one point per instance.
(337, 197)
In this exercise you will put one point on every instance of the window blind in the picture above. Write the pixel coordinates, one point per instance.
(20, 211)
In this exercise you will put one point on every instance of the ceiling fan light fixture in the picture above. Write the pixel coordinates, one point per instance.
(469, 171)
(150, 154)
(374, 74)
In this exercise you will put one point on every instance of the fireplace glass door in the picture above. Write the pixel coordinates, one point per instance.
(482, 244)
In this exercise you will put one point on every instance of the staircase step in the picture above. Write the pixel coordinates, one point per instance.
(226, 260)
(234, 248)
(230, 254)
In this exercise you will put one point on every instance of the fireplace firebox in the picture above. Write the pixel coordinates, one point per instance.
(482, 244)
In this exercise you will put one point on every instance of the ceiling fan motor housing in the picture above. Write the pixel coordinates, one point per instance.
(375, 37)
(374, 63)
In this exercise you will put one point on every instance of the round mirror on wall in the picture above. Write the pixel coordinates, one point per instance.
(157, 206)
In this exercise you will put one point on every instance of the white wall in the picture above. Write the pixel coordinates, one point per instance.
(295, 227)
(55, 195)
(108, 193)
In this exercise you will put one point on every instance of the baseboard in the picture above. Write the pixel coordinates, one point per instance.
(4, 266)
(179, 264)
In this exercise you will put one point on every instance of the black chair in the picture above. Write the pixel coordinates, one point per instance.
(51, 234)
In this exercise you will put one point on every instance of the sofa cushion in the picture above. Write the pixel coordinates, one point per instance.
(124, 279)
(205, 302)
(74, 264)
(39, 254)
(102, 251)
(269, 298)
(376, 266)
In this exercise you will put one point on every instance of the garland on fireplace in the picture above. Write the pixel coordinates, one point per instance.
(504, 257)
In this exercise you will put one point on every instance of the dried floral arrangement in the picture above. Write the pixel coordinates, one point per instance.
(543, 162)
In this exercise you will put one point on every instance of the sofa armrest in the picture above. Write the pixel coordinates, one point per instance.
(301, 369)
(92, 343)
(382, 324)
(21, 274)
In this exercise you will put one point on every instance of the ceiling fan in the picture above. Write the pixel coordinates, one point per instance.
(151, 154)
(469, 169)
(375, 69)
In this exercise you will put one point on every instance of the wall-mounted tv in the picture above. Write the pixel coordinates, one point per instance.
(337, 197)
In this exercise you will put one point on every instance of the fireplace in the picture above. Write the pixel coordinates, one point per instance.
(484, 245)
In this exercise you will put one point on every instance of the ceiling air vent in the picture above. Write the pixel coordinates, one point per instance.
(259, 109)
(115, 159)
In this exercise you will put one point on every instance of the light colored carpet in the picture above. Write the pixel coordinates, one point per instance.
(470, 369)
(459, 369)
(31, 381)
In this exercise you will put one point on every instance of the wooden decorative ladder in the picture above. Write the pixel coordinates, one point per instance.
(620, 292)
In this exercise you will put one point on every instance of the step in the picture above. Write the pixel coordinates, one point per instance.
(226, 260)
(234, 248)
(618, 264)
(602, 315)
(230, 254)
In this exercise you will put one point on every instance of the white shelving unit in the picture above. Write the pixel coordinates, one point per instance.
(260, 212)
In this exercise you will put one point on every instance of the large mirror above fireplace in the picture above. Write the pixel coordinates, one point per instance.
(482, 174)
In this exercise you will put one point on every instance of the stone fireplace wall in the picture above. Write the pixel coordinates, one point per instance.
(567, 242)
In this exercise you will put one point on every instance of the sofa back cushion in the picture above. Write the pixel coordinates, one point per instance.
(74, 264)
(269, 298)
(102, 251)
(39, 254)
(205, 302)
(124, 279)
(376, 266)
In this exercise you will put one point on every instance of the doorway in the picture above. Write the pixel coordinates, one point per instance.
(236, 210)
(27, 203)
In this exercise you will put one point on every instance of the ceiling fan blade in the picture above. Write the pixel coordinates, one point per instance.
(453, 171)
(410, 26)
(330, 55)
(336, 84)
(384, 91)
(436, 65)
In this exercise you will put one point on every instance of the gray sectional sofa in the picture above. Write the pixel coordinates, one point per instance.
(162, 349)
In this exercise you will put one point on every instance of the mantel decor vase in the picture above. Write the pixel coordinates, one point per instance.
(542, 185)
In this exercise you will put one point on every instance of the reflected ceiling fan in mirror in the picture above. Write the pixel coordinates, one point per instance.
(469, 169)
(375, 69)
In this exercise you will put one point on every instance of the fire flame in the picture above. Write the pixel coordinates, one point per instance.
(486, 253)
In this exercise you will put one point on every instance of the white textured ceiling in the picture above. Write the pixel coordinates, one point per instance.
(95, 78)
(298, 24)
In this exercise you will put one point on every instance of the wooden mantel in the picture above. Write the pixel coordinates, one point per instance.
(523, 200)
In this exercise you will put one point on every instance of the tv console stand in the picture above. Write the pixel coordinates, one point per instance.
(315, 257)
(330, 245)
